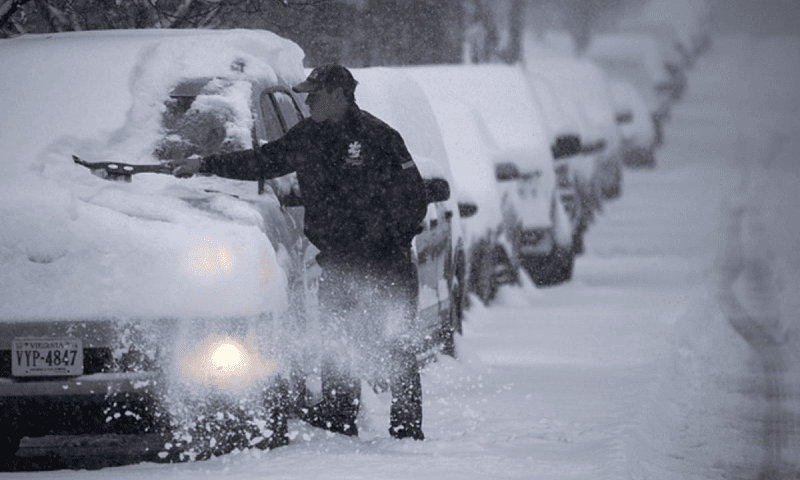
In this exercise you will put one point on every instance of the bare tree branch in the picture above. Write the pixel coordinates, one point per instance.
(9, 8)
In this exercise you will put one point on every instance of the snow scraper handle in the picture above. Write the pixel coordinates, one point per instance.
(120, 171)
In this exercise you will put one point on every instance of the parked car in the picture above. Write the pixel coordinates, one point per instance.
(636, 57)
(639, 139)
(440, 251)
(574, 171)
(681, 26)
(469, 146)
(136, 307)
(533, 221)
(180, 308)
(587, 85)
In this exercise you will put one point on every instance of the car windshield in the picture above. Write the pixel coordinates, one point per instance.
(203, 120)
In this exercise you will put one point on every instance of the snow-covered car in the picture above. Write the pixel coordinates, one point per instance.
(637, 57)
(439, 250)
(149, 306)
(533, 230)
(639, 139)
(681, 27)
(468, 146)
(177, 307)
(574, 171)
(585, 83)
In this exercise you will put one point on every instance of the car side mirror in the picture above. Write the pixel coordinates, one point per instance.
(467, 209)
(437, 190)
(566, 146)
(595, 147)
(624, 117)
(505, 172)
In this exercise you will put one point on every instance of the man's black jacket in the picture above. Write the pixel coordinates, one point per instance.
(363, 195)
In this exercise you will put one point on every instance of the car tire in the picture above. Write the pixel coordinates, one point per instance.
(490, 267)
(640, 158)
(480, 282)
(612, 188)
(457, 305)
(563, 266)
(552, 269)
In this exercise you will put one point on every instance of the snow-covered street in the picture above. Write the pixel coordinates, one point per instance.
(674, 353)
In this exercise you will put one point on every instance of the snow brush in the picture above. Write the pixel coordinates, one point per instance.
(120, 172)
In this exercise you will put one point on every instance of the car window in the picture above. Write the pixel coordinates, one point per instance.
(203, 117)
(288, 108)
(190, 131)
(272, 119)
(280, 113)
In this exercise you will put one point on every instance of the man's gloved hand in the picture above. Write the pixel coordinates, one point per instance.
(185, 167)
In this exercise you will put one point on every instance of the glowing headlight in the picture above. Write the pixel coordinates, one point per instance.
(209, 260)
(227, 362)
(227, 358)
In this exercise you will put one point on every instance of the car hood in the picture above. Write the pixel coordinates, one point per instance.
(158, 247)
(73, 246)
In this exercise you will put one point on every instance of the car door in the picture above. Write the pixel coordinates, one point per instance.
(434, 265)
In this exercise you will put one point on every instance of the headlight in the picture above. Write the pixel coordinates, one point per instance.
(226, 362)
(228, 358)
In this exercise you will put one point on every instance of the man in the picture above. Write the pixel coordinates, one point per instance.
(364, 202)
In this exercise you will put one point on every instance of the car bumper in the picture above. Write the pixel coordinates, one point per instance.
(83, 385)
(103, 403)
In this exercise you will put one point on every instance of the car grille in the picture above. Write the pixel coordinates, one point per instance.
(95, 360)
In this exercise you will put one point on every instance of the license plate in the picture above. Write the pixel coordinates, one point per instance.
(46, 357)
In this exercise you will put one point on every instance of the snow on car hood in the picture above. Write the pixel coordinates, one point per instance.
(76, 246)
(155, 249)
(501, 96)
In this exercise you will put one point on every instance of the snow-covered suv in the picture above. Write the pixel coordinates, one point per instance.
(177, 307)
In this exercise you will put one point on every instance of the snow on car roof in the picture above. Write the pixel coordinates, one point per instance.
(470, 147)
(395, 98)
(500, 94)
(560, 119)
(75, 246)
(586, 82)
(632, 47)
(681, 19)
(85, 84)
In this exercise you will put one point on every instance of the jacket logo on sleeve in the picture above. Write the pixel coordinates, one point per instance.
(354, 154)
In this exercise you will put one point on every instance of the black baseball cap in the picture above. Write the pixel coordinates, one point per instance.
(328, 76)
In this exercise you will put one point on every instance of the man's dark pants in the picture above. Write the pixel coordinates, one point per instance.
(367, 308)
